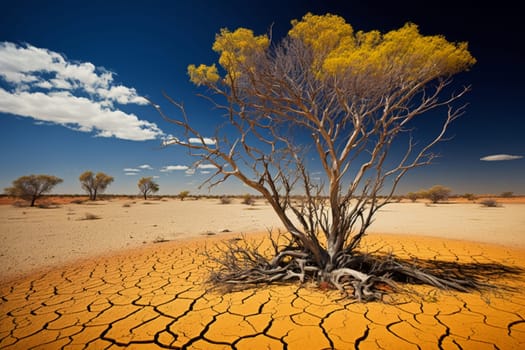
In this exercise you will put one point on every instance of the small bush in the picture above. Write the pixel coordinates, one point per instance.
(507, 194)
(183, 195)
(126, 205)
(89, 216)
(248, 199)
(226, 200)
(437, 193)
(469, 196)
(489, 202)
(413, 196)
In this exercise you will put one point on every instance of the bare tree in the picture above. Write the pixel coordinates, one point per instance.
(147, 186)
(324, 98)
(32, 187)
(94, 184)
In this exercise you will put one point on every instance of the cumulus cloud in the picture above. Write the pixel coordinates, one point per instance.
(44, 85)
(145, 167)
(170, 168)
(131, 170)
(500, 157)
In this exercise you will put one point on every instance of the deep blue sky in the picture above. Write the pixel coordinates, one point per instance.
(147, 45)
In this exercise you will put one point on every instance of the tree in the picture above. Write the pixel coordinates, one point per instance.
(469, 196)
(183, 195)
(437, 193)
(147, 186)
(413, 196)
(32, 187)
(94, 184)
(351, 96)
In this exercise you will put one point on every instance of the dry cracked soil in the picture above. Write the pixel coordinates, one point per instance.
(157, 297)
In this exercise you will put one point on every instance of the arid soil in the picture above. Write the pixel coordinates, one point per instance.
(106, 290)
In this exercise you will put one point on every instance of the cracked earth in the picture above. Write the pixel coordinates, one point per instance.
(156, 297)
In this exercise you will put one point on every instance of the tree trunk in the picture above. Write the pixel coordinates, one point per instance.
(94, 195)
(33, 199)
(145, 196)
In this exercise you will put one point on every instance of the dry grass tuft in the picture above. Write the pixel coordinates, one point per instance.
(89, 216)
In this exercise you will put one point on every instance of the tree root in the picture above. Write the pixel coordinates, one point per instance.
(364, 277)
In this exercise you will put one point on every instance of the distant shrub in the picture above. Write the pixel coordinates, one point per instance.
(437, 193)
(248, 199)
(89, 216)
(507, 194)
(489, 202)
(183, 195)
(78, 201)
(126, 205)
(48, 205)
(413, 196)
(469, 196)
(226, 200)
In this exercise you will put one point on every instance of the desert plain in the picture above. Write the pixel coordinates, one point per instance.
(130, 273)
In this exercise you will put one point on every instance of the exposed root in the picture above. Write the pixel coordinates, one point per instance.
(242, 263)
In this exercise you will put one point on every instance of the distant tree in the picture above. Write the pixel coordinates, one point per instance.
(32, 187)
(342, 98)
(94, 184)
(183, 195)
(248, 199)
(507, 194)
(147, 186)
(438, 193)
(413, 196)
(469, 196)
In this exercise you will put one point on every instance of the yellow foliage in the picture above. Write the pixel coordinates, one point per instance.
(403, 54)
(236, 47)
(322, 33)
(203, 74)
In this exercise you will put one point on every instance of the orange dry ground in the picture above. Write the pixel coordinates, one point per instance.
(155, 297)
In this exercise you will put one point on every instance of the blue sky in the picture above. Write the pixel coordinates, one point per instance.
(73, 75)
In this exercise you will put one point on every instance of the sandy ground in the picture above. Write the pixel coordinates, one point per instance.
(71, 283)
(33, 238)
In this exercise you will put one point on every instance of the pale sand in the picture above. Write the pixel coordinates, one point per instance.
(152, 296)
(33, 238)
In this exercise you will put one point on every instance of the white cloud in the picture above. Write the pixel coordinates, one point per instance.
(190, 171)
(206, 166)
(169, 141)
(205, 172)
(500, 157)
(169, 168)
(145, 167)
(205, 140)
(131, 174)
(44, 85)
(131, 170)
